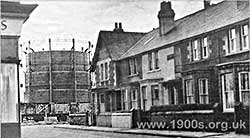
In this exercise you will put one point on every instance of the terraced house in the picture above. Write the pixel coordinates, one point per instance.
(192, 68)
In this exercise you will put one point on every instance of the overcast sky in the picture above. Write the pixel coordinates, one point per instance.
(84, 19)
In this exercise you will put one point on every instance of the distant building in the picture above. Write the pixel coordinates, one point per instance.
(57, 77)
(13, 16)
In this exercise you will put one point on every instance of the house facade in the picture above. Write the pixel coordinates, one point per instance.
(106, 93)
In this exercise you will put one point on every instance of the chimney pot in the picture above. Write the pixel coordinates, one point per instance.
(120, 25)
(116, 25)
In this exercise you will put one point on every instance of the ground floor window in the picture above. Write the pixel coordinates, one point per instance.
(172, 95)
(134, 95)
(144, 97)
(244, 87)
(102, 98)
(203, 91)
(155, 94)
(228, 91)
(190, 95)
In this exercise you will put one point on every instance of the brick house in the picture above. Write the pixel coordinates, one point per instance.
(106, 94)
(197, 65)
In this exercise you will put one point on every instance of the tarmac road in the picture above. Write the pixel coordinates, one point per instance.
(48, 131)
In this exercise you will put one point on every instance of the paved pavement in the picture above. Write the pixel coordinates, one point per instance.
(49, 131)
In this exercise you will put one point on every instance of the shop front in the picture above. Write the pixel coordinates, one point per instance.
(13, 15)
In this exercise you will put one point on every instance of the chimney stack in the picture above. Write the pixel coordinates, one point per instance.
(118, 28)
(207, 4)
(166, 17)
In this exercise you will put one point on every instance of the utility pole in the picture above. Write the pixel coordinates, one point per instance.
(50, 72)
(74, 69)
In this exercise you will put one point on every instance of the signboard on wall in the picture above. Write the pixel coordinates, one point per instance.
(11, 27)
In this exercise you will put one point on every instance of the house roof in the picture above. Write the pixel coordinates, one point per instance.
(203, 21)
(116, 43)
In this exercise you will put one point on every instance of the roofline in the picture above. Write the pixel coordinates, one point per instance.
(122, 32)
(176, 42)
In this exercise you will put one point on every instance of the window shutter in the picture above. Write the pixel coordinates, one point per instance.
(190, 53)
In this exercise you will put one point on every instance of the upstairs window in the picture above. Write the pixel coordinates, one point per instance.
(195, 50)
(203, 91)
(156, 60)
(102, 72)
(106, 70)
(150, 67)
(204, 48)
(132, 66)
(232, 41)
(244, 37)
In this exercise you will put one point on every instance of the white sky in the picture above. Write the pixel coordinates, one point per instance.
(84, 19)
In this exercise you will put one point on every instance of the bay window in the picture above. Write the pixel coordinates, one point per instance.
(189, 92)
(203, 91)
(228, 92)
(244, 87)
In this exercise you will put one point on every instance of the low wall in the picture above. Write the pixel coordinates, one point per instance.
(122, 120)
(104, 119)
(78, 119)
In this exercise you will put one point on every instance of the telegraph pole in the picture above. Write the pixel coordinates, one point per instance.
(74, 69)
(50, 76)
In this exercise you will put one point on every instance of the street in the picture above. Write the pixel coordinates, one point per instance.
(48, 131)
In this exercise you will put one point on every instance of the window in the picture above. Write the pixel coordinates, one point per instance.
(244, 87)
(203, 91)
(189, 91)
(232, 41)
(106, 70)
(156, 60)
(195, 50)
(204, 49)
(172, 95)
(132, 66)
(228, 92)
(101, 73)
(244, 37)
(155, 92)
(144, 92)
(150, 61)
(134, 95)
(125, 95)
(102, 98)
